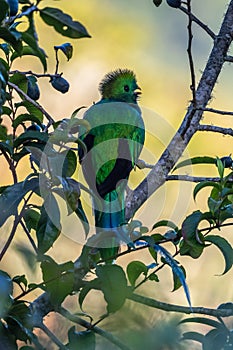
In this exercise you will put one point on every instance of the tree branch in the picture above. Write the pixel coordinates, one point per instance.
(177, 308)
(217, 111)
(188, 178)
(189, 126)
(200, 23)
(36, 104)
(214, 128)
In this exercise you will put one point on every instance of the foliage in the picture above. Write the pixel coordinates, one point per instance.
(31, 204)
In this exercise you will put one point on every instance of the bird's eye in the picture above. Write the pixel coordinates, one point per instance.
(126, 88)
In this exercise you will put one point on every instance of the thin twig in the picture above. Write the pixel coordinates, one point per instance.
(229, 58)
(97, 330)
(200, 23)
(214, 128)
(36, 104)
(217, 111)
(17, 220)
(52, 336)
(11, 165)
(37, 75)
(191, 178)
(190, 57)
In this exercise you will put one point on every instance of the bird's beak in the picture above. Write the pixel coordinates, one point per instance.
(137, 91)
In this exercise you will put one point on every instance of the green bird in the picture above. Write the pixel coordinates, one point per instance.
(113, 144)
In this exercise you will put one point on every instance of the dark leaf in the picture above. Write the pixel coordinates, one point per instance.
(4, 10)
(28, 256)
(12, 196)
(63, 23)
(225, 249)
(113, 285)
(6, 290)
(70, 163)
(31, 135)
(19, 321)
(12, 37)
(31, 218)
(205, 321)
(93, 284)
(58, 279)
(196, 160)
(193, 336)
(66, 48)
(32, 109)
(22, 118)
(204, 184)
(30, 51)
(215, 339)
(134, 270)
(20, 280)
(49, 227)
(176, 280)
(84, 340)
(167, 223)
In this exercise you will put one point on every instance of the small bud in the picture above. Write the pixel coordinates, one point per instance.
(33, 90)
(157, 2)
(174, 3)
(227, 161)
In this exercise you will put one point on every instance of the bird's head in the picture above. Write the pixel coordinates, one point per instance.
(120, 85)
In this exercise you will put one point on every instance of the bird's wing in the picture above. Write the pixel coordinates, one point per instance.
(117, 132)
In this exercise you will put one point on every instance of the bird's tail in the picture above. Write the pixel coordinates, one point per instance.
(109, 216)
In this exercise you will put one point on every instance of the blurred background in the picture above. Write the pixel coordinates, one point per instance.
(152, 42)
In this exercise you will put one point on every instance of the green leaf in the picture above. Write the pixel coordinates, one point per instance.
(204, 184)
(49, 227)
(167, 223)
(20, 280)
(31, 218)
(12, 196)
(93, 284)
(63, 23)
(195, 160)
(3, 134)
(84, 340)
(22, 118)
(190, 225)
(220, 167)
(12, 37)
(215, 339)
(4, 10)
(6, 290)
(205, 321)
(30, 51)
(28, 256)
(191, 248)
(19, 321)
(113, 285)
(66, 48)
(31, 108)
(70, 163)
(176, 280)
(31, 135)
(225, 248)
(58, 279)
(134, 270)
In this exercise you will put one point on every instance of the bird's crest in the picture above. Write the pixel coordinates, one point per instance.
(111, 77)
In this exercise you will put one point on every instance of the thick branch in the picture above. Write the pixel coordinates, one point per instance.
(177, 308)
(189, 126)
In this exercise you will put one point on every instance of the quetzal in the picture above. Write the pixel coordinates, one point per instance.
(113, 144)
